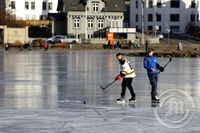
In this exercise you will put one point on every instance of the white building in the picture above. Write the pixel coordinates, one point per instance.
(31, 9)
(84, 17)
(173, 15)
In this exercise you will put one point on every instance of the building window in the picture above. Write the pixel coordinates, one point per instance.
(193, 4)
(115, 24)
(159, 4)
(150, 3)
(150, 17)
(158, 17)
(44, 6)
(136, 17)
(174, 29)
(100, 23)
(136, 4)
(12, 4)
(27, 17)
(197, 17)
(137, 29)
(33, 17)
(159, 29)
(95, 6)
(33, 5)
(174, 17)
(50, 6)
(76, 23)
(192, 17)
(175, 3)
(150, 28)
(26, 5)
(90, 23)
(44, 17)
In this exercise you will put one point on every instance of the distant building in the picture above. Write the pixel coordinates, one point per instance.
(84, 17)
(164, 15)
(127, 14)
(58, 23)
(29, 9)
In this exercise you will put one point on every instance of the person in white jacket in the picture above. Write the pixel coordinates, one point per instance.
(127, 73)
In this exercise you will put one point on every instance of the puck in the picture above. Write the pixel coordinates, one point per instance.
(84, 102)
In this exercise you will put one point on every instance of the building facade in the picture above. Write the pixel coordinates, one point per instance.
(127, 14)
(163, 15)
(84, 17)
(30, 9)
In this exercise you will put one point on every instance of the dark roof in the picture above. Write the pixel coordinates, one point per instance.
(56, 16)
(79, 5)
(74, 5)
(114, 6)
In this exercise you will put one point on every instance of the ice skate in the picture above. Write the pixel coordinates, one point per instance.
(132, 101)
(155, 101)
(120, 101)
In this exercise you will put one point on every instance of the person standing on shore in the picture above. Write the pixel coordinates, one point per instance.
(127, 73)
(151, 65)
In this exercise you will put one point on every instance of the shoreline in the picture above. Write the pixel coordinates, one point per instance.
(160, 50)
(169, 54)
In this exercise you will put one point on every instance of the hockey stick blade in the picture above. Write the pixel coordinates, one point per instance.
(103, 88)
(170, 59)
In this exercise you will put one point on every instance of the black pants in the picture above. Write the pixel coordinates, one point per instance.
(153, 78)
(127, 82)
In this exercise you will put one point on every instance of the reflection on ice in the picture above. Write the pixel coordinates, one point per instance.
(44, 79)
(58, 91)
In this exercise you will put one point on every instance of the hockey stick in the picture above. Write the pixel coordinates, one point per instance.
(103, 88)
(170, 59)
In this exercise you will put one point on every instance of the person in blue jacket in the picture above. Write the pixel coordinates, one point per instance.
(153, 68)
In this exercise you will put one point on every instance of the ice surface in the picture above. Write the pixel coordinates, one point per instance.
(44, 91)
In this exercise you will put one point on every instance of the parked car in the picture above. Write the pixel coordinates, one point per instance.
(62, 38)
(160, 35)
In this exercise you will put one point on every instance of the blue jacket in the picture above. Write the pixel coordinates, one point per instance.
(151, 64)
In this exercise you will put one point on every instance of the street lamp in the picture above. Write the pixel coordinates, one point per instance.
(86, 14)
(86, 21)
(168, 31)
(163, 14)
(143, 2)
(155, 19)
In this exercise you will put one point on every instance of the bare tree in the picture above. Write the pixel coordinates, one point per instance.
(2, 12)
(7, 17)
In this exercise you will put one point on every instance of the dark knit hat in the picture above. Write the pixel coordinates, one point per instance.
(150, 50)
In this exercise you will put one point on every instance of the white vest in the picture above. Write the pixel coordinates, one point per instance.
(127, 69)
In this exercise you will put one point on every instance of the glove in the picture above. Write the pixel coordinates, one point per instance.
(161, 68)
(119, 77)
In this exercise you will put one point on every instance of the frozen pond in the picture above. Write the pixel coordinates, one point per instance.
(43, 91)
